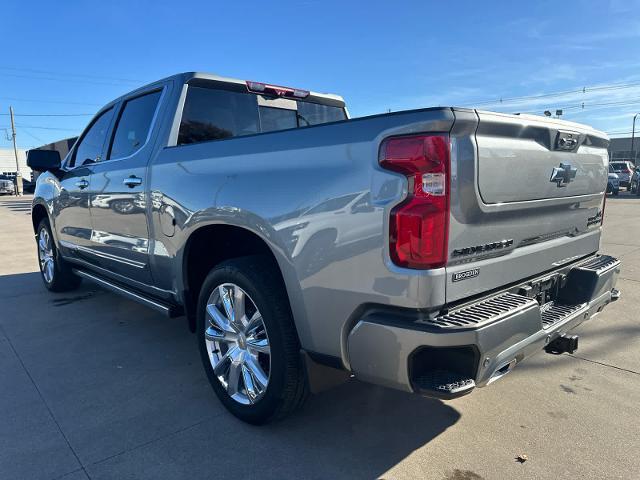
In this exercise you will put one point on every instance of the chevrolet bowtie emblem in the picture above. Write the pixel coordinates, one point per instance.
(563, 174)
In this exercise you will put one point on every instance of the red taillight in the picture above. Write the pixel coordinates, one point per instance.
(419, 226)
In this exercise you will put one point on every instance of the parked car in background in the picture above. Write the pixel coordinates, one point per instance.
(6, 185)
(613, 182)
(625, 170)
(635, 180)
(298, 243)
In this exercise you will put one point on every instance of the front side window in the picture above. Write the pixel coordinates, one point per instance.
(90, 147)
(216, 114)
(133, 125)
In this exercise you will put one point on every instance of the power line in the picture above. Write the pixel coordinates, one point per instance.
(590, 106)
(42, 127)
(68, 75)
(501, 101)
(61, 102)
(51, 114)
(42, 142)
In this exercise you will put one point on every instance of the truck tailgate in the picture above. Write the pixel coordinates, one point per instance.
(527, 196)
(516, 160)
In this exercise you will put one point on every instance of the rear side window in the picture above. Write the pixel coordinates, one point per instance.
(90, 147)
(315, 114)
(133, 125)
(272, 119)
(216, 114)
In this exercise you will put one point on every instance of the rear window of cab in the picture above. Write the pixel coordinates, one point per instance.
(216, 114)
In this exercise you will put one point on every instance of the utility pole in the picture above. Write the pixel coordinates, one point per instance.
(18, 178)
(633, 135)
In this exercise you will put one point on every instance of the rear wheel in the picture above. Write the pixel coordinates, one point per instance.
(55, 272)
(247, 341)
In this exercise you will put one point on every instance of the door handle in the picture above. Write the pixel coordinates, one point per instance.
(132, 181)
(82, 184)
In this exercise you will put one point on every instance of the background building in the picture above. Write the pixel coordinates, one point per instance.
(8, 163)
(620, 149)
(62, 146)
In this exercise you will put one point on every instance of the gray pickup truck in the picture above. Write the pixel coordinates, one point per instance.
(303, 246)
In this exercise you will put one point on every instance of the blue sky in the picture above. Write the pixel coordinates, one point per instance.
(71, 57)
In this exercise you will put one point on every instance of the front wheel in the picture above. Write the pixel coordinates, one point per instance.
(55, 272)
(247, 341)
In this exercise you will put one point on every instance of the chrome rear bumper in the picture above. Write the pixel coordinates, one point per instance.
(479, 342)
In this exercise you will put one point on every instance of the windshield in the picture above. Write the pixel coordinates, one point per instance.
(620, 167)
(332, 204)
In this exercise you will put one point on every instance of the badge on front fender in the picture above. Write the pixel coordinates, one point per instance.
(456, 277)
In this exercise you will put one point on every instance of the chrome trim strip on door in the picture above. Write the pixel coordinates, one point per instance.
(79, 248)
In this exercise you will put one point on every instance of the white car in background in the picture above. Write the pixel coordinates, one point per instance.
(6, 185)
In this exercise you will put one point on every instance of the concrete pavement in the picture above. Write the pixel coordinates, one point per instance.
(95, 386)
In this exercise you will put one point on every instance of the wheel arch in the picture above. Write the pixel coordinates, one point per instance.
(211, 244)
(38, 213)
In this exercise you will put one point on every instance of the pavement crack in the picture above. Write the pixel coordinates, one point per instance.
(70, 473)
(44, 402)
(629, 279)
(604, 364)
(161, 437)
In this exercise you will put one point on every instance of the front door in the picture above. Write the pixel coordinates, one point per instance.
(71, 207)
(120, 236)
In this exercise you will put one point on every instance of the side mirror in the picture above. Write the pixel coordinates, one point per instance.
(43, 160)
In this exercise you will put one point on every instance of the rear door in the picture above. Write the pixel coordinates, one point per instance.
(527, 196)
(120, 236)
(71, 205)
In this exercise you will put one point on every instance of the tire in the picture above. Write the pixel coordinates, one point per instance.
(616, 192)
(56, 274)
(230, 346)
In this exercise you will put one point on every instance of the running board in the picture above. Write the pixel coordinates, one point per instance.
(166, 309)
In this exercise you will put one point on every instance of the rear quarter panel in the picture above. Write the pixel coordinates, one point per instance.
(267, 183)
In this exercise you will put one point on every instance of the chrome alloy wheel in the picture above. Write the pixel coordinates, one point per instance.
(237, 343)
(45, 255)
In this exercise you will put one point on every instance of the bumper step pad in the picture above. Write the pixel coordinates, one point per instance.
(553, 313)
(487, 311)
(443, 384)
